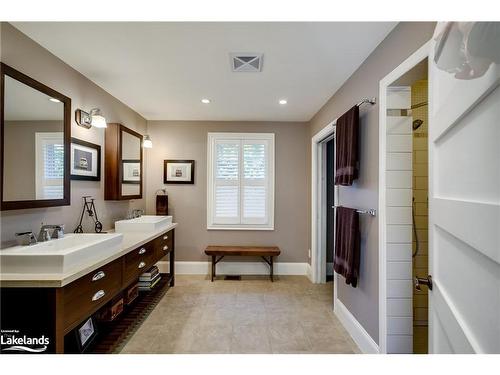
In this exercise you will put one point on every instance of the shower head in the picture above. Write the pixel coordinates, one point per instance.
(417, 123)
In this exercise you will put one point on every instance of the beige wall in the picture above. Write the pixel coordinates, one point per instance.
(405, 39)
(19, 165)
(188, 203)
(23, 54)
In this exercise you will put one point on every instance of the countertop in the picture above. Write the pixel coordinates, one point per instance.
(131, 240)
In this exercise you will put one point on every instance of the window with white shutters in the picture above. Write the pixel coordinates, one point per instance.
(240, 181)
(49, 161)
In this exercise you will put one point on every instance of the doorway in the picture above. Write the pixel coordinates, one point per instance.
(323, 198)
(407, 151)
(330, 210)
(403, 194)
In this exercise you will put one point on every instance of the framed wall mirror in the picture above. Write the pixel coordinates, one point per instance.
(35, 124)
(123, 163)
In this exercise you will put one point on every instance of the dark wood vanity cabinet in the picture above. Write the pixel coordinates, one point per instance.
(56, 312)
(123, 167)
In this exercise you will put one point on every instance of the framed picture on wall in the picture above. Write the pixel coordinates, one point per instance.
(85, 160)
(131, 172)
(178, 171)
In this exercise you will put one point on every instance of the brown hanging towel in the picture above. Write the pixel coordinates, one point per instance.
(347, 245)
(346, 147)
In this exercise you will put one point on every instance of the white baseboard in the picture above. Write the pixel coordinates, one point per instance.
(236, 268)
(364, 341)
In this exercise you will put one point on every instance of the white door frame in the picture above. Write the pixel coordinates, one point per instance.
(318, 205)
(421, 54)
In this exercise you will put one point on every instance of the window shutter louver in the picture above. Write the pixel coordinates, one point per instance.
(227, 172)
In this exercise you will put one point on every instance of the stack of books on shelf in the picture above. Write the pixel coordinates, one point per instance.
(149, 279)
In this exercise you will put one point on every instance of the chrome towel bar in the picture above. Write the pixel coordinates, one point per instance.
(370, 211)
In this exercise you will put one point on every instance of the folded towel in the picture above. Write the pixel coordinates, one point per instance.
(346, 147)
(347, 245)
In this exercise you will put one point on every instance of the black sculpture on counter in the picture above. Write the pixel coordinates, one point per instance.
(90, 208)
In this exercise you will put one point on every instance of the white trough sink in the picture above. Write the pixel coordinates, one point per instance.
(59, 255)
(145, 223)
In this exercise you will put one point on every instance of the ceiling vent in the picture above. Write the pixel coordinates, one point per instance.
(246, 62)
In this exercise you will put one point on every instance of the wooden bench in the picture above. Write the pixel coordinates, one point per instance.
(222, 251)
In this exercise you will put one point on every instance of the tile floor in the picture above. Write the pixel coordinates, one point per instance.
(253, 315)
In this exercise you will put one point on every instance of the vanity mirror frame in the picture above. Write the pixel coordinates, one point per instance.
(6, 70)
(113, 163)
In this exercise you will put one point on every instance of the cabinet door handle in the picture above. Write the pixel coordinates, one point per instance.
(165, 237)
(165, 247)
(98, 295)
(98, 276)
(142, 251)
(141, 265)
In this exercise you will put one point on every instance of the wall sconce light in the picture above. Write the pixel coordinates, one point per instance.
(89, 119)
(147, 142)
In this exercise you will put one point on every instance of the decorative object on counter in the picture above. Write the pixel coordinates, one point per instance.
(89, 207)
(89, 119)
(131, 172)
(85, 160)
(147, 143)
(162, 202)
(178, 172)
(85, 334)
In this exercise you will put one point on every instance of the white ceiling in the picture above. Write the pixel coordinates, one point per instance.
(163, 70)
(24, 103)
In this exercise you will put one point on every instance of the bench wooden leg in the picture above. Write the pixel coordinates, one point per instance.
(272, 271)
(213, 267)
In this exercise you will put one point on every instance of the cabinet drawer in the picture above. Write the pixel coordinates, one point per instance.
(88, 293)
(164, 244)
(138, 261)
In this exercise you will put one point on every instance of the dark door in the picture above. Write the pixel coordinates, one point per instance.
(330, 201)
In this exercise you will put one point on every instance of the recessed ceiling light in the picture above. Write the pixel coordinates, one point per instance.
(283, 101)
(205, 101)
(54, 100)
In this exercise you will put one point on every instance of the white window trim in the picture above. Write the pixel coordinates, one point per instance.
(210, 180)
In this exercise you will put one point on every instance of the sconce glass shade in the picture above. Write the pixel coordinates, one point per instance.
(98, 119)
(147, 142)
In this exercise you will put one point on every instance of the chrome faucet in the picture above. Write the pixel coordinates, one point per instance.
(137, 213)
(44, 235)
(26, 238)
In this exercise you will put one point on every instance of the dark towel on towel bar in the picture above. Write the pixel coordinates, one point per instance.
(346, 147)
(347, 246)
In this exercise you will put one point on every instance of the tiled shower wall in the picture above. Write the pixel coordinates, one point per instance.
(420, 192)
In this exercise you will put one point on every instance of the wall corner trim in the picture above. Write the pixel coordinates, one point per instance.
(364, 341)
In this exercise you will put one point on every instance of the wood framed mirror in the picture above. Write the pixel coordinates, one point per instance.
(123, 163)
(35, 125)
